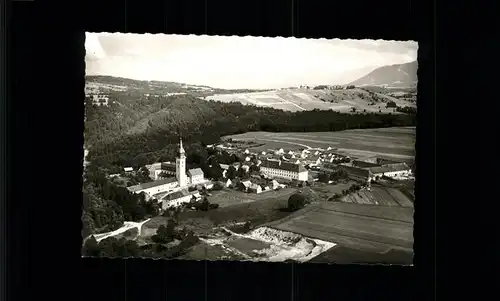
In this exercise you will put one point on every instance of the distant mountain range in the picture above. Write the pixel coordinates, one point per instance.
(397, 76)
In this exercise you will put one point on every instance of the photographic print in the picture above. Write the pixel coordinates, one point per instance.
(249, 148)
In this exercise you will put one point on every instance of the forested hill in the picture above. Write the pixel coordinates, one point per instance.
(400, 75)
(136, 130)
(111, 84)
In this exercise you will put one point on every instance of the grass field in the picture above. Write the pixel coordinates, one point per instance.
(391, 143)
(229, 197)
(205, 251)
(345, 255)
(366, 228)
(262, 208)
(380, 196)
(304, 99)
(326, 191)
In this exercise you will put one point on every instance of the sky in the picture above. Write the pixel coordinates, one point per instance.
(233, 62)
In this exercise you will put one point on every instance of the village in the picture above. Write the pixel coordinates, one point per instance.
(173, 185)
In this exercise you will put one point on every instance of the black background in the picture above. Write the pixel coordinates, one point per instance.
(43, 116)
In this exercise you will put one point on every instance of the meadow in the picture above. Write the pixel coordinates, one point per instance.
(380, 196)
(368, 228)
(305, 99)
(391, 143)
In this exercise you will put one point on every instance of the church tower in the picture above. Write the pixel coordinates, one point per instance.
(180, 166)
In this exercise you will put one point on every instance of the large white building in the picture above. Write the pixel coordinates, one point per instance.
(177, 198)
(391, 170)
(181, 180)
(286, 170)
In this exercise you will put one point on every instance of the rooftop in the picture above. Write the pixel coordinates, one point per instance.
(288, 166)
(390, 168)
(356, 170)
(195, 172)
(151, 184)
(364, 164)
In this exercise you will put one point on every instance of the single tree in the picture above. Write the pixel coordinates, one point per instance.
(231, 172)
(296, 202)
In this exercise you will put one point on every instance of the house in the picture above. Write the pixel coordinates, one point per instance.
(275, 184)
(312, 160)
(255, 188)
(224, 169)
(357, 174)
(244, 185)
(280, 169)
(391, 170)
(128, 169)
(245, 167)
(196, 175)
(177, 198)
(229, 183)
(99, 99)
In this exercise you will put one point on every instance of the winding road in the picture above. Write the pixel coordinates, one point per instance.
(126, 226)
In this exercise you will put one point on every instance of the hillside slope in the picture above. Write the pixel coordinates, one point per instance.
(401, 75)
(291, 99)
(110, 84)
(308, 99)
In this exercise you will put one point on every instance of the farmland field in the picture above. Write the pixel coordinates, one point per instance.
(367, 228)
(229, 197)
(205, 251)
(380, 196)
(390, 143)
(256, 209)
(305, 99)
(345, 255)
(326, 191)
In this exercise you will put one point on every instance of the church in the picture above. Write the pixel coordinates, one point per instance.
(183, 179)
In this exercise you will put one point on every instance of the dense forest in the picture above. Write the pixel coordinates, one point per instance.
(140, 130)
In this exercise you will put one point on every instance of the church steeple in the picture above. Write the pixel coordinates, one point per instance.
(181, 149)
(180, 166)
